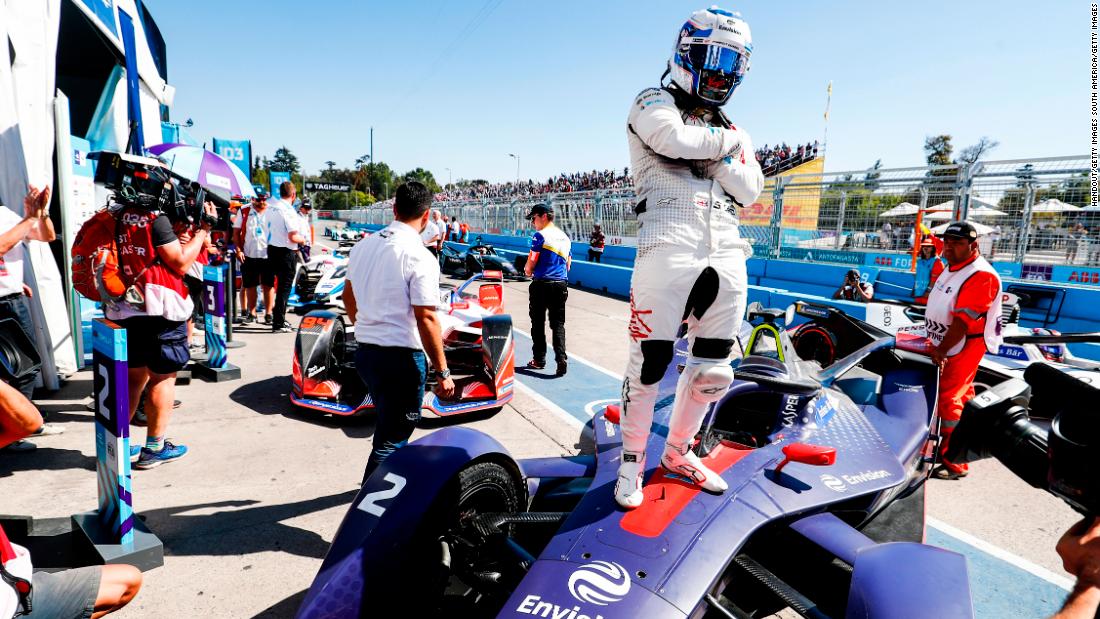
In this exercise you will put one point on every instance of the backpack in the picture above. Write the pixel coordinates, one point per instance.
(95, 259)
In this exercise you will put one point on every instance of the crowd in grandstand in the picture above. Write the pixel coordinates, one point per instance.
(562, 183)
(779, 158)
(772, 159)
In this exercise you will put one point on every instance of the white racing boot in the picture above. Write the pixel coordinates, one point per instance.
(681, 460)
(702, 383)
(628, 488)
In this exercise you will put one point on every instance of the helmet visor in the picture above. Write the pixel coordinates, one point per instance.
(720, 69)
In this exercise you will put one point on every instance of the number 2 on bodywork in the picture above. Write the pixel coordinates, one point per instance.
(370, 501)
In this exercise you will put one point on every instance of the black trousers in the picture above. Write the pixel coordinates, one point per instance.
(283, 262)
(15, 306)
(548, 297)
(595, 256)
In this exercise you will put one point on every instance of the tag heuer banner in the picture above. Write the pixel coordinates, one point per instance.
(320, 186)
(237, 151)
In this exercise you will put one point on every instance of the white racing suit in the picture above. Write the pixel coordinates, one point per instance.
(692, 171)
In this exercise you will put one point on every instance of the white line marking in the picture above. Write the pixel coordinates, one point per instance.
(1002, 554)
(536, 396)
(572, 357)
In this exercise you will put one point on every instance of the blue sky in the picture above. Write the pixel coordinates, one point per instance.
(459, 85)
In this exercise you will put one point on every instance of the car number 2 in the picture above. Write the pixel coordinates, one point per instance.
(370, 502)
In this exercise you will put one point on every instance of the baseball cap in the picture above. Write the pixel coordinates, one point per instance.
(306, 203)
(960, 230)
(540, 209)
(261, 195)
(927, 242)
(854, 273)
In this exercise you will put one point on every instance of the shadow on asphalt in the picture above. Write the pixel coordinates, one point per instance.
(285, 608)
(271, 396)
(241, 527)
(44, 459)
(547, 374)
(430, 423)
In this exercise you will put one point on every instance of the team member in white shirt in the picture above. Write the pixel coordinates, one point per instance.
(398, 280)
(305, 209)
(251, 235)
(284, 227)
(431, 233)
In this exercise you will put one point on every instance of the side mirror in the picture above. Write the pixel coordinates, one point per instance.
(805, 453)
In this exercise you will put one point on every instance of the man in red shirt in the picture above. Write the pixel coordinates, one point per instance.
(963, 321)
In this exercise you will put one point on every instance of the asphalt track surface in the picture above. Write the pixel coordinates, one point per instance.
(247, 517)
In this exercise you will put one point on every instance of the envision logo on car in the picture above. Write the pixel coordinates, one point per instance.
(841, 484)
(599, 583)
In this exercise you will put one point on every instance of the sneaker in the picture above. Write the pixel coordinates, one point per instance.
(248, 319)
(267, 319)
(628, 487)
(535, 365)
(20, 446)
(169, 453)
(49, 429)
(139, 419)
(947, 473)
(562, 367)
(683, 461)
(135, 453)
(283, 329)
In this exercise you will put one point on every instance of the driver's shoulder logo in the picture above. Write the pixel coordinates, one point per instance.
(599, 583)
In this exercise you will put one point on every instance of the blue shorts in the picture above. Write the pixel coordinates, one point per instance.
(156, 343)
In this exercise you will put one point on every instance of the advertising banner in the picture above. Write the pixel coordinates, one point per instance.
(1069, 274)
(278, 178)
(237, 151)
(323, 186)
(821, 255)
(1036, 272)
(801, 202)
(104, 12)
(889, 261)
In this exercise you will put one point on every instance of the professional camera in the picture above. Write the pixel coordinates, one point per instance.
(146, 183)
(1061, 459)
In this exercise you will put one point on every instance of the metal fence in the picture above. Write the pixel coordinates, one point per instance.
(1029, 211)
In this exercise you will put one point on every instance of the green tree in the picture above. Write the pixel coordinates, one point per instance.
(938, 149)
(285, 161)
(424, 176)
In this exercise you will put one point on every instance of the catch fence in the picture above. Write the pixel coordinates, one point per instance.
(1033, 211)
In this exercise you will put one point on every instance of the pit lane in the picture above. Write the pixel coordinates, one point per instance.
(247, 517)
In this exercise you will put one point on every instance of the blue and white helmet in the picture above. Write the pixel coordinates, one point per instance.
(711, 55)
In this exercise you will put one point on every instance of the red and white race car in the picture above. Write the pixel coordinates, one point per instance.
(477, 341)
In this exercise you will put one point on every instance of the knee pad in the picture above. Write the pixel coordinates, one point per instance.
(708, 381)
(656, 355)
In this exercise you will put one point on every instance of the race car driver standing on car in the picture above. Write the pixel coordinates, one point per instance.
(693, 171)
(963, 321)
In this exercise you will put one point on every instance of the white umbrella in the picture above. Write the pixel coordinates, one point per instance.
(982, 229)
(1054, 205)
(978, 208)
(900, 210)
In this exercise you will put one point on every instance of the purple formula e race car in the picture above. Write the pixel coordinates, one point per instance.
(824, 514)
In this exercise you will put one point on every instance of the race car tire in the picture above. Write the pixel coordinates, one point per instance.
(815, 342)
(480, 488)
